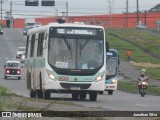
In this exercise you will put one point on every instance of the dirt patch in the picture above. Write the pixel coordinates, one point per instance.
(145, 64)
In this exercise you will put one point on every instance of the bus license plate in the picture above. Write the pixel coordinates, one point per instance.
(75, 88)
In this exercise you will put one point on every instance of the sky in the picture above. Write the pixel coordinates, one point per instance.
(75, 7)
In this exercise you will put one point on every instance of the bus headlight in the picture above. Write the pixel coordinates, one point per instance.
(50, 75)
(100, 77)
(113, 81)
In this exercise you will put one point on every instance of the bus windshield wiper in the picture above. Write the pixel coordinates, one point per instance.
(83, 45)
(68, 46)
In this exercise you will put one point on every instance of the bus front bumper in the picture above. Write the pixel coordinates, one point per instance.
(111, 87)
(72, 86)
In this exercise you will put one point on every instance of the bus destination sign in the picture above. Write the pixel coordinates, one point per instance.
(76, 31)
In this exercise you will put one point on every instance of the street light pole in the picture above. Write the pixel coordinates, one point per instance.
(126, 13)
(137, 12)
(110, 12)
(1, 11)
(67, 12)
(11, 18)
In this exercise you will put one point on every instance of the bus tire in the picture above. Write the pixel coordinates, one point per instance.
(39, 94)
(40, 81)
(83, 95)
(93, 96)
(75, 95)
(101, 92)
(47, 94)
(29, 81)
(110, 92)
(32, 94)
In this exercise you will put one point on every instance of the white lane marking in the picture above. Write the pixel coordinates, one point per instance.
(142, 105)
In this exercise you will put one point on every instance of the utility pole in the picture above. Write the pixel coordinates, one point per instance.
(11, 8)
(110, 12)
(66, 11)
(145, 17)
(11, 18)
(137, 12)
(1, 11)
(126, 13)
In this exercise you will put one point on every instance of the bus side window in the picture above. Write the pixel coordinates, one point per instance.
(32, 46)
(27, 43)
(40, 45)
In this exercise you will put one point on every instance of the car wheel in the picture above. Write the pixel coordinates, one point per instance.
(5, 77)
(110, 92)
(19, 78)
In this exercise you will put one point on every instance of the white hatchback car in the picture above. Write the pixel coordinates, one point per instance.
(23, 57)
(20, 51)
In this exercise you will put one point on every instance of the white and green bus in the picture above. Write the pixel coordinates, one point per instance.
(66, 58)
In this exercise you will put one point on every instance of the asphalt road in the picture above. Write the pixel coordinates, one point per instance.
(13, 38)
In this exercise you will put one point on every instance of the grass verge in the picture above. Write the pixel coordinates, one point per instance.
(132, 88)
(143, 39)
(137, 54)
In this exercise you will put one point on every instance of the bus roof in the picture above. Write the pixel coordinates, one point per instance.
(46, 27)
(112, 53)
(113, 50)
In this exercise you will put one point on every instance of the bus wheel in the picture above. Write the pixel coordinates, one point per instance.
(110, 92)
(101, 93)
(32, 94)
(39, 94)
(83, 95)
(75, 95)
(93, 96)
(47, 95)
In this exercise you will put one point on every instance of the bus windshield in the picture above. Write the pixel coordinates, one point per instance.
(75, 53)
(111, 67)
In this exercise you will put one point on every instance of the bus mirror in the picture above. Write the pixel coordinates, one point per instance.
(107, 46)
(118, 60)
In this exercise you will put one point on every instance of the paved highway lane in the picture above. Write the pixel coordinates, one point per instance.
(9, 42)
(122, 101)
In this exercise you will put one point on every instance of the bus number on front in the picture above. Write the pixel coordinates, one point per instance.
(63, 78)
(61, 31)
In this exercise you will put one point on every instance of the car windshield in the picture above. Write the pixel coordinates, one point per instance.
(21, 49)
(13, 65)
(26, 29)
